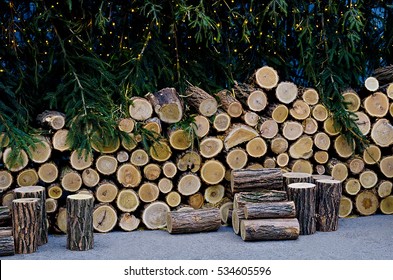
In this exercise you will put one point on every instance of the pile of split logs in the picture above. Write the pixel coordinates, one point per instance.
(263, 123)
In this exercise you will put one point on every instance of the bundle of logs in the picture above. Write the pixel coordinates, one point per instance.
(196, 141)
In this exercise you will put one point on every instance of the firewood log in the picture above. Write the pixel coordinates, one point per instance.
(71, 180)
(292, 130)
(127, 200)
(363, 122)
(295, 177)
(250, 118)
(238, 134)
(105, 146)
(279, 144)
(278, 112)
(302, 148)
(213, 194)
(128, 175)
(18, 164)
(26, 223)
(301, 165)
(122, 156)
(356, 165)
(269, 229)
(61, 220)
(236, 158)
(300, 110)
(384, 188)
(196, 200)
(282, 160)
(154, 215)
(128, 222)
(173, 199)
(310, 96)
(368, 179)
(386, 166)
(27, 177)
(226, 213)
(337, 169)
(352, 186)
(315, 177)
(160, 151)
(59, 140)
(391, 109)
(201, 126)
(222, 121)
(328, 204)
(236, 221)
(371, 84)
(382, 133)
(48, 172)
(106, 164)
(321, 157)
(320, 169)
(81, 161)
(310, 126)
(169, 169)
(193, 221)
(256, 147)
(230, 104)
(372, 154)
(39, 193)
(268, 128)
(320, 113)
(386, 205)
(139, 157)
(130, 143)
(331, 127)
(262, 210)
(90, 177)
(346, 207)
(286, 92)
(188, 184)
(167, 105)
(266, 77)
(322, 141)
(41, 151)
(343, 147)
(241, 198)
(52, 119)
(126, 125)
(212, 172)
(5, 215)
(6, 180)
(376, 105)
(51, 205)
(104, 217)
(165, 185)
(352, 100)
(304, 197)
(140, 109)
(55, 191)
(152, 171)
(269, 162)
(201, 101)
(366, 203)
(254, 180)
(106, 191)
(209, 147)
(389, 91)
(148, 192)
(80, 222)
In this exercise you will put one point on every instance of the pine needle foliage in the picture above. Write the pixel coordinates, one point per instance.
(86, 58)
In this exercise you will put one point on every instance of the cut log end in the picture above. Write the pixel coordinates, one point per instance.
(266, 77)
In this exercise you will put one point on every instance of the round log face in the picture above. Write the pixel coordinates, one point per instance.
(257, 101)
(386, 166)
(266, 77)
(366, 203)
(352, 101)
(382, 133)
(372, 154)
(154, 215)
(213, 172)
(386, 205)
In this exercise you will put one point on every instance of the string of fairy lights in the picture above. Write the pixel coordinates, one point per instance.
(227, 29)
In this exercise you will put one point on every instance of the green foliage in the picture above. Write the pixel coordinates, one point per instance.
(88, 57)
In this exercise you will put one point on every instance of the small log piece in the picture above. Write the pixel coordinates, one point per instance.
(193, 221)
(80, 222)
(52, 119)
(230, 104)
(269, 229)
(328, 204)
(262, 210)
(167, 105)
(201, 101)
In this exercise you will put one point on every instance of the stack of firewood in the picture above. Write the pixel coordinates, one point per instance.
(197, 140)
(261, 210)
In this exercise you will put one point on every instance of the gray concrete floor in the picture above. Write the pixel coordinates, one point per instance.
(356, 239)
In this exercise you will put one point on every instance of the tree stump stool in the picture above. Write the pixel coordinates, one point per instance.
(80, 222)
(36, 192)
(304, 195)
(328, 204)
(296, 177)
(25, 220)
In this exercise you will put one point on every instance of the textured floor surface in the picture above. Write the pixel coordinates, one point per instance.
(357, 238)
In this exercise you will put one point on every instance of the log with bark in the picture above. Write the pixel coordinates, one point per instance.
(253, 180)
(201, 101)
(167, 105)
(53, 119)
(266, 77)
(241, 198)
(262, 210)
(196, 200)
(7, 245)
(269, 229)
(209, 147)
(5, 216)
(222, 121)
(193, 221)
(154, 216)
(328, 204)
(229, 103)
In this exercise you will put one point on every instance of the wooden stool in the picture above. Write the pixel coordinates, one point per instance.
(328, 204)
(304, 195)
(36, 192)
(80, 222)
(25, 219)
